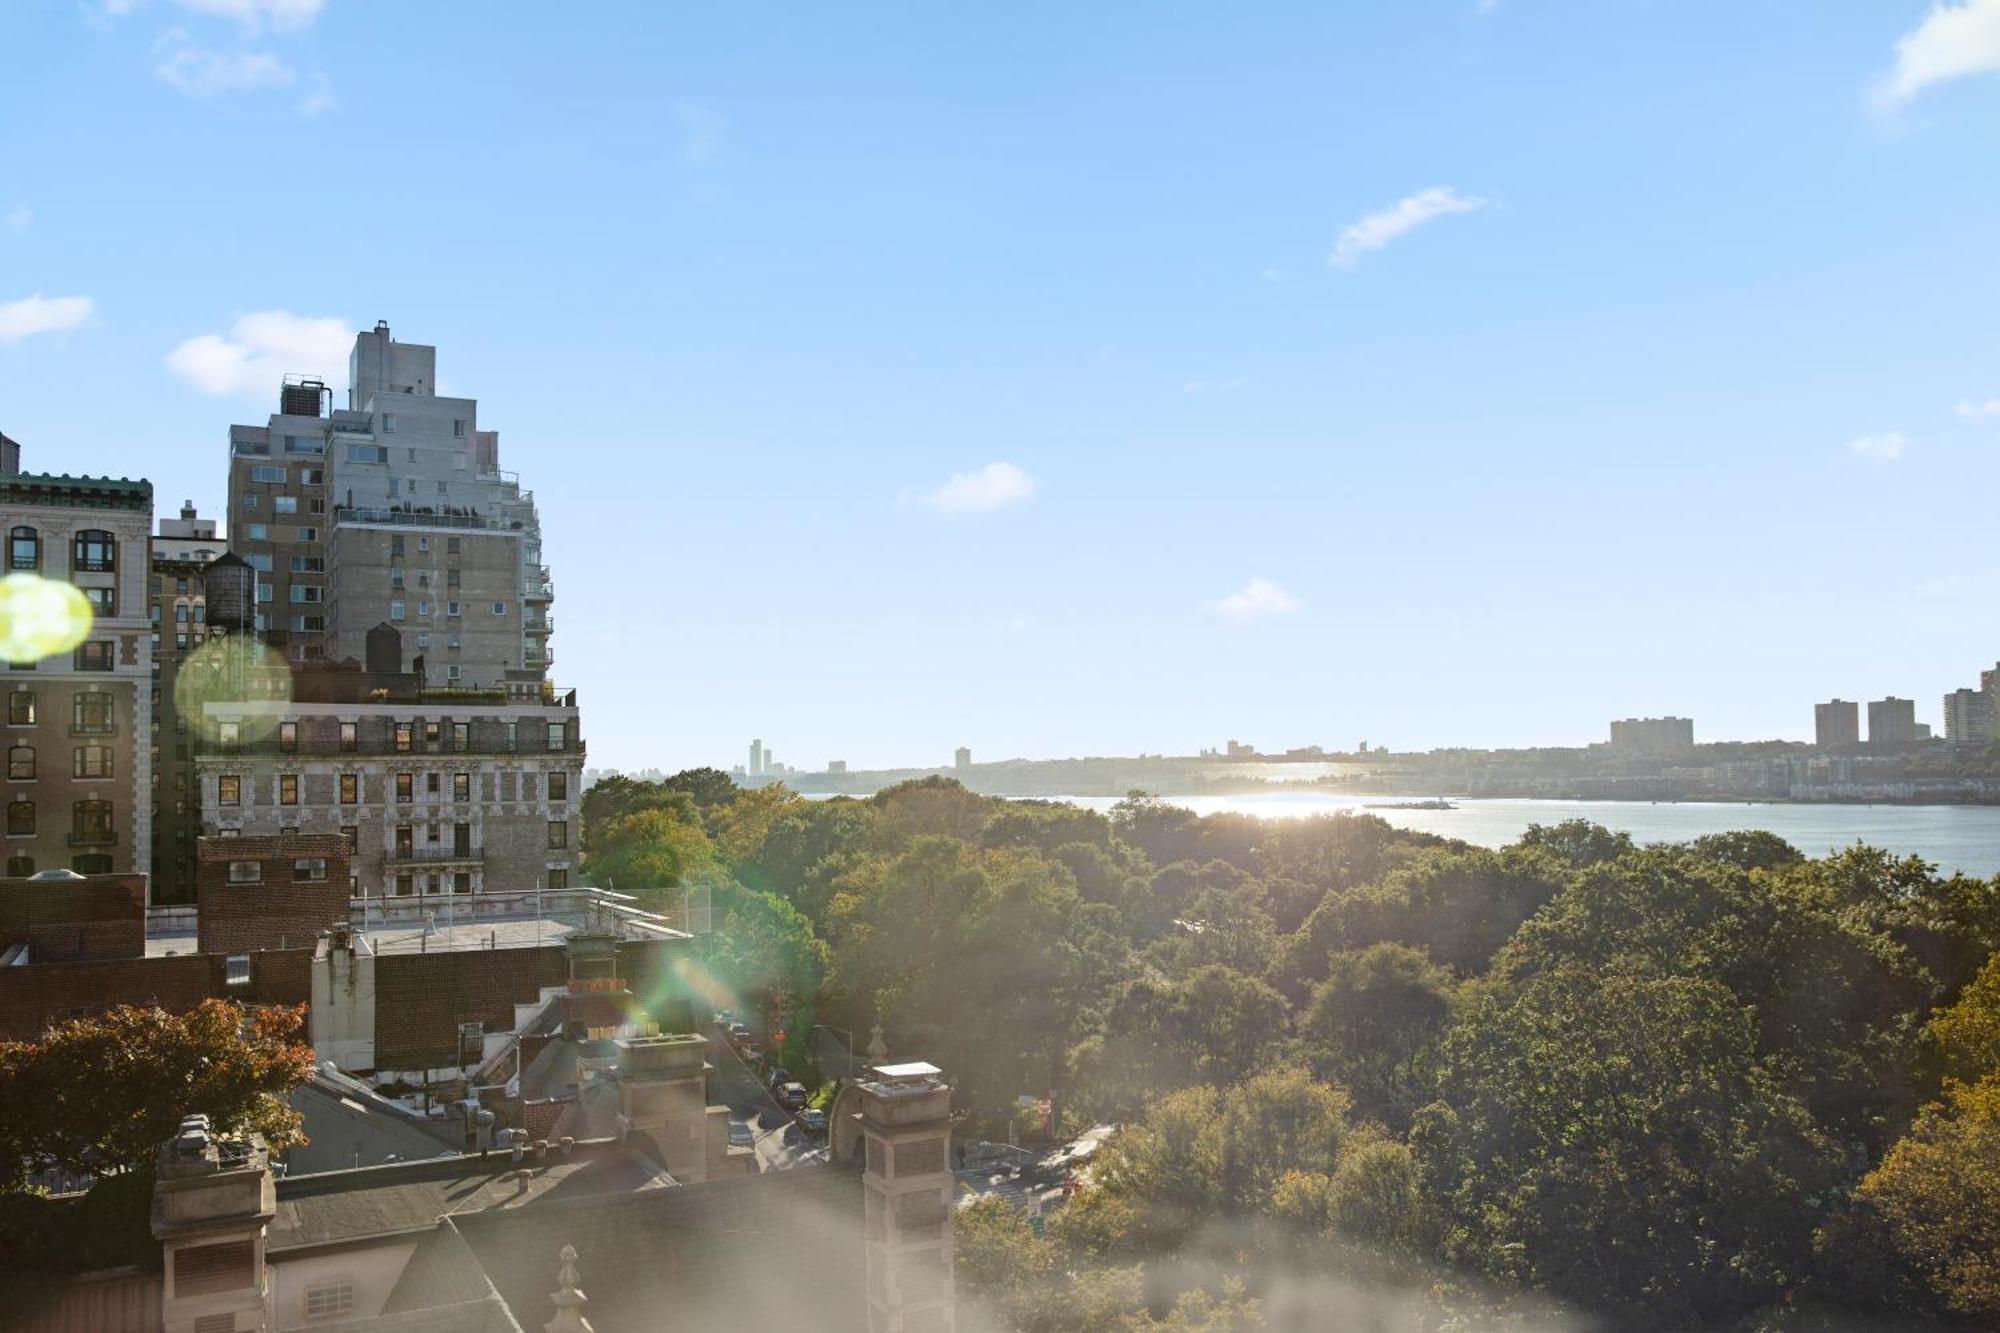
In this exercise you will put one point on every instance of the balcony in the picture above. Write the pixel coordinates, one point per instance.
(102, 837)
(436, 856)
(539, 624)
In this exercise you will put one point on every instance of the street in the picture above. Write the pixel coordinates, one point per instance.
(779, 1142)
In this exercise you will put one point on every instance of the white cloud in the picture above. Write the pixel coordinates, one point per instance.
(260, 350)
(992, 487)
(702, 128)
(282, 15)
(17, 218)
(318, 98)
(1203, 384)
(200, 72)
(1886, 447)
(1381, 227)
(1954, 40)
(1989, 408)
(42, 314)
(1257, 598)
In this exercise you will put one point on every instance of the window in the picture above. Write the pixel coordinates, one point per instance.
(94, 551)
(558, 878)
(424, 609)
(527, 786)
(396, 577)
(263, 591)
(406, 787)
(103, 601)
(432, 784)
(557, 738)
(288, 737)
(403, 734)
(91, 761)
(284, 504)
(249, 502)
(396, 543)
(258, 560)
(350, 788)
(558, 834)
(308, 564)
(21, 708)
(20, 867)
(405, 842)
(451, 641)
(332, 1300)
(21, 763)
(90, 822)
(461, 786)
(458, 428)
(308, 534)
(461, 735)
(452, 608)
(288, 789)
(367, 453)
(433, 732)
(304, 444)
(395, 610)
(312, 476)
(228, 733)
(351, 832)
(423, 578)
(229, 789)
(405, 885)
(309, 868)
(267, 473)
(91, 714)
(513, 736)
(499, 608)
(423, 543)
(451, 578)
(302, 592)
(246, 872)
(92, 863)
(20, 818)
(388, 426)
(236, 970)
(350, 736)
(24, 549)
(423, 638)
(559, 786)
(94, 656)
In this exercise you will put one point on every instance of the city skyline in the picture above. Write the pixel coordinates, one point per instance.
(1559, 394)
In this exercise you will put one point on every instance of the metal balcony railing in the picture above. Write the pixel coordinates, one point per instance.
(435, 856)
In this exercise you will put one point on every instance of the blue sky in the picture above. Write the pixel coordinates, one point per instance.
(1059, 379)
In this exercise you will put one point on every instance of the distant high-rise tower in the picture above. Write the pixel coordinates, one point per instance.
(961, 758)
(1836, 722)
(758, 759)
(1653, 735)
(1892, 721)
(1968, 717)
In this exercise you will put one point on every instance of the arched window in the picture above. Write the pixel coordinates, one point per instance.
(21, 762)
(21, 708)
(92, 713)
(95, 552)
(20, 817)
(24, 549)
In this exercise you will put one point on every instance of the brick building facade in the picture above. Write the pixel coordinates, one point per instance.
(273, 892)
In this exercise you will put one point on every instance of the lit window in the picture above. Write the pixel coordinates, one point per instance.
(288, 789)
(229, 789)
(94, 656)
(461, 786)
(349, 735)
(228, 733)
(403, 734)
(92, 761)
(92, 714)
(406, 787)
(350, 788)
(288, 737)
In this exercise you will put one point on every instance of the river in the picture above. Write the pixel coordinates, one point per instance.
(1953, 837)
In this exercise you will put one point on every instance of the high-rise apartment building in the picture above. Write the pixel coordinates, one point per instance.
(1836, 722)
(1892, 721)
(1653, 735)
(1968, 716)
(177, 592)
(392, 510)
(79, 756)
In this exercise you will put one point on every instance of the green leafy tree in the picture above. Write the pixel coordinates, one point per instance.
(1370, 1022)
(107, 1091)
(705, 786)
(1617, 1140)
(1965, 1038)
(1578, 841)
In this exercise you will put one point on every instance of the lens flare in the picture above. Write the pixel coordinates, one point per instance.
(40, 617)
(232, 668)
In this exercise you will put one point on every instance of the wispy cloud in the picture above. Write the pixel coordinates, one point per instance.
(1953, 41)
(1256, 599)
(701, 129)
(994, 486)
(259, 350)
(1405, 215)
(1886, 447)
(1203, 384)
(199, 71)
(283, 15)
(319, 96)
(17, 218)
(1989, 408)
(42, 314)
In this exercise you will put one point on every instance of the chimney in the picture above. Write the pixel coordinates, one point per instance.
(212, 1201)
(663, 1100)
(907, 1186)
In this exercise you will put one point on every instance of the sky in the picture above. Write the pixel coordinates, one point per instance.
(1107, 379)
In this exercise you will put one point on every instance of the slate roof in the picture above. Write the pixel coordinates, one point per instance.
(348, 1125)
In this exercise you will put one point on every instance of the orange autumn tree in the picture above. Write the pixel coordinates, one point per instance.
(102, 1093)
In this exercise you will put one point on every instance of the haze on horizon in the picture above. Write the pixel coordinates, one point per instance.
(1467, 373)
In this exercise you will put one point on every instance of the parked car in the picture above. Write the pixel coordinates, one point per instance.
(737, 1032)
(739, 1134)
(813, 1122)
(792, 1096)
(750, 1051)
(778, 1077)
